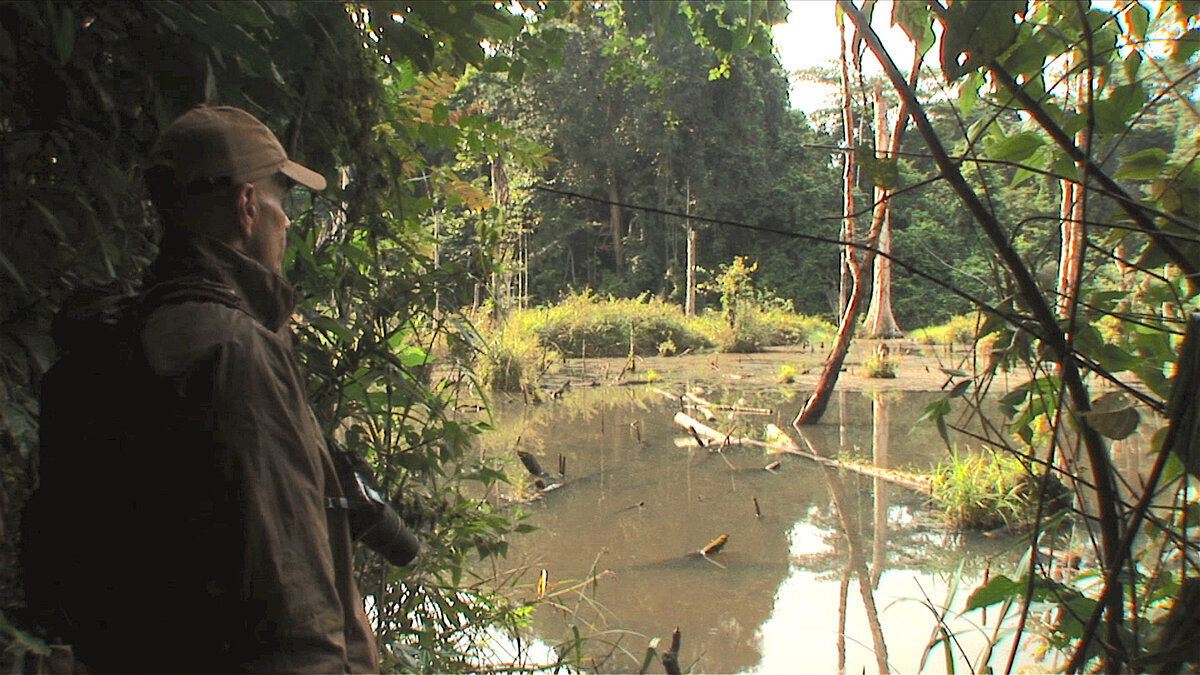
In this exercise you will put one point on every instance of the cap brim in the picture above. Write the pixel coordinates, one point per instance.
(303, 175)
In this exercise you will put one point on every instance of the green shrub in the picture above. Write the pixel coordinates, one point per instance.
(507, 359)
(959, 330)
(787, 375)
(983, 490)
(880, 367)
(586, 325)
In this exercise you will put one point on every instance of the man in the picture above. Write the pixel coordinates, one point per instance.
(182, 523)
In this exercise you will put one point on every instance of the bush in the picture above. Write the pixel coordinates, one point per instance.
(959, 330)
(983, 490)
(880, 367)
(509, 355)
(585, 325)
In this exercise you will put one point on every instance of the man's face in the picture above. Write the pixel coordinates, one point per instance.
(268, 234)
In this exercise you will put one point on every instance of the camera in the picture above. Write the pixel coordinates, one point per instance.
(373, 521)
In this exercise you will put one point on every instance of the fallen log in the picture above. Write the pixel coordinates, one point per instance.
(912, 481)
(698, 403)
(700, 429)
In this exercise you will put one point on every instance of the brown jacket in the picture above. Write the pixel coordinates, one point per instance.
(220, 554)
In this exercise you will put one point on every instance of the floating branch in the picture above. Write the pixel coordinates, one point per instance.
(531, 463)
(780, 437)
(714, 547)
(698, 403)
(773, 466)
(670, 658)
(700, 429)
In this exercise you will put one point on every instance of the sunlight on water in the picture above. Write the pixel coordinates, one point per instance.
(619, 542)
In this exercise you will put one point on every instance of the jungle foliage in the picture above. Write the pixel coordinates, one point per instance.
(1076, 98)
(363, 92)
(442, 146)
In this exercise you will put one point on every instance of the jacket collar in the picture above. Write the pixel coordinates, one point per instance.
(260, 292)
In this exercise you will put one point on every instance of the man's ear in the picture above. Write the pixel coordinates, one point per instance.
(246, 208)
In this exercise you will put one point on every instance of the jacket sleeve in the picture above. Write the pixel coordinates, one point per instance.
(272, 450)
(256, 478)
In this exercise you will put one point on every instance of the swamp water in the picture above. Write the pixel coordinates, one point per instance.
(838, 570)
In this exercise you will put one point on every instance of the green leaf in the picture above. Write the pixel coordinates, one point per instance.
(968, 91)
(516, 73)
(1112, 114)
(1131, 65)
(1010, 401)
(1183, 409)
(1015, 148)
(960, 389)
(1187, 44)
(883, 172)
(999, 589)
(1113, 416)
(1138, 18)
(329, 325)
(916, 20)
(1143, 165)
(977, 32)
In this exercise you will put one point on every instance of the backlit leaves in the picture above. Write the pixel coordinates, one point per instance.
(976, 31)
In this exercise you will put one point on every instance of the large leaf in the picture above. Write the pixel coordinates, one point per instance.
(1187, 44)
(999, 589)
(976, 31)
(1113, 415)
(916, 20)
(1143, 165)
(1016, 147)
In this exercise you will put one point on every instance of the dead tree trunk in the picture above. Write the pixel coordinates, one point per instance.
(814, 408)
(692, 237)
(846, 260)
(880, 322)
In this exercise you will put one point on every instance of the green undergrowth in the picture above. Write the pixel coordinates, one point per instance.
(959, 330)
(584, 325)
(984, 490)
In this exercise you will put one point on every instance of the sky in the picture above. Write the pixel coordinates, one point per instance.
(810, 38)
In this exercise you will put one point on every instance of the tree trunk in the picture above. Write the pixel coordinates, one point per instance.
(690, 303)
(814, 408)
(846, 260)
(1070, 259)
(614, 220)
(1044, 322)
(880, 322)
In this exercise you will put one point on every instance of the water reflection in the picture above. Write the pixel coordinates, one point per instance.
(839, 573)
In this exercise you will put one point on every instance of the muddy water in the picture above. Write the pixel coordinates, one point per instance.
(823, 571)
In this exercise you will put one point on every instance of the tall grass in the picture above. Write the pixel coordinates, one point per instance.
(584, 324)
(984, 489)
(959, 330)
(587, 325)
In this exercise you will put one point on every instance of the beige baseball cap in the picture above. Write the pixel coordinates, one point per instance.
(210, 143)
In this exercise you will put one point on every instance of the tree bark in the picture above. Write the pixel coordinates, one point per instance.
(692, 237)
(614, 220)
(880, 322)
(846, 261)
